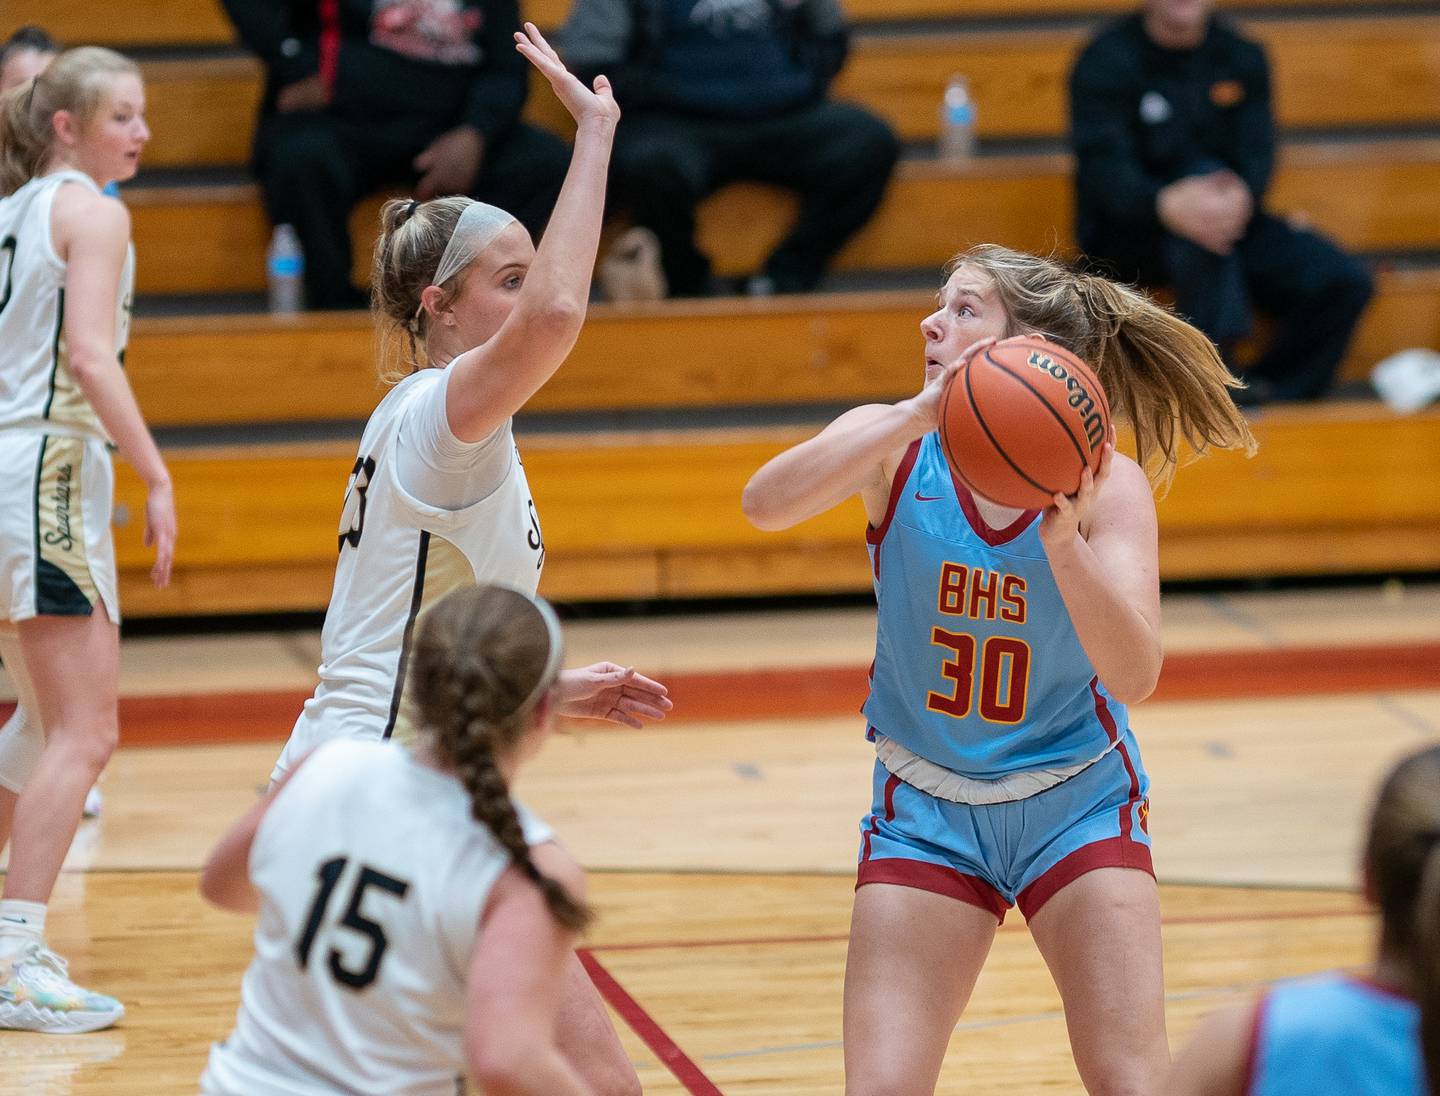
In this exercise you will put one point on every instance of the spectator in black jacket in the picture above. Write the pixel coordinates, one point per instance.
(362, 94)
(719, 90)
(1174, 144)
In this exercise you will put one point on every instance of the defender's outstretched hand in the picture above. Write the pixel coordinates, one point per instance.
(617, 693)
(583, 103)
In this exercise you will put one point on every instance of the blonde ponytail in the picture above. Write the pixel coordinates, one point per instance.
(1163, 376)
(22, 143)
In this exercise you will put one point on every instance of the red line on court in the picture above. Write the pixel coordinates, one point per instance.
(644, 1025)
(810, 692)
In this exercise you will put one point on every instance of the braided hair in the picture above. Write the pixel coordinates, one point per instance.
(484, 658)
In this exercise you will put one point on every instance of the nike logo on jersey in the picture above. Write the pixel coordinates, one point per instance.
(927, 498)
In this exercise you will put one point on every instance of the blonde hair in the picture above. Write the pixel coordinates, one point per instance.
(1402, 863)
(1161, 375)
(412, 239)
(76, 81)
(481, 652)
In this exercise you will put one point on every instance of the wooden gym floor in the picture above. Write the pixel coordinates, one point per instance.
(721, 844)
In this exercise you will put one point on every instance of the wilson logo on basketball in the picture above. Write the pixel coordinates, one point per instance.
(1080, 397)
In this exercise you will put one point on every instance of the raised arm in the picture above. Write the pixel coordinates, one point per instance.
(493, 381)
(514, 992)
(92, 234)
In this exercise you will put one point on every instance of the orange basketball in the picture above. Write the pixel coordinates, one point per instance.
(1022, 421)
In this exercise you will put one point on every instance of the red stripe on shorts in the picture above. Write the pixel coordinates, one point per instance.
(1102, 712)
(889, 797)
(936, 879)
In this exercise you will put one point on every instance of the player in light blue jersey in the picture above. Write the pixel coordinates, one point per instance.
(1374, 1034)
(1008, 646)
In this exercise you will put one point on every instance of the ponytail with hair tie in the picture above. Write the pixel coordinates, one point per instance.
(483, 659)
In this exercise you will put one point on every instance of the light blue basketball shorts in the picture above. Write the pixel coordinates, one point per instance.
(1005, 854)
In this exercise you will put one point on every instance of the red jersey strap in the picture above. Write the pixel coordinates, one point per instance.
(875, 534)
(1252, 1050)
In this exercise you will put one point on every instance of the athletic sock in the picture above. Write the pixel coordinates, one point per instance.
(21, 923)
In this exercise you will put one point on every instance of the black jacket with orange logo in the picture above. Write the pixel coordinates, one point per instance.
(1142, 116)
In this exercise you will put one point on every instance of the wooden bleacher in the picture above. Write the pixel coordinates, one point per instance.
(1329, 73)
(130, 23)
(1371, 196)
(1336, 488)
(839, 348)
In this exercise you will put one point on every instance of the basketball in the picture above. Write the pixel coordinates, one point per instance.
(1022, 420)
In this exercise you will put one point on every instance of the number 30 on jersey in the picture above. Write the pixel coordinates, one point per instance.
(1004, 673)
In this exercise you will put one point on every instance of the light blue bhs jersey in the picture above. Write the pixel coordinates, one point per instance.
(1330, 1033)
(977, 665)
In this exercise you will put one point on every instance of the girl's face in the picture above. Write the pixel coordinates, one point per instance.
(968, 310)
(491, 286)
(108, 147)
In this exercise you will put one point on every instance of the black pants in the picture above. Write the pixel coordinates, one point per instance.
(838, 157)
(1314, 291)
(314, 168)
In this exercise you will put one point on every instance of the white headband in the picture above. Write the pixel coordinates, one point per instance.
(556, 640)
(476, 230)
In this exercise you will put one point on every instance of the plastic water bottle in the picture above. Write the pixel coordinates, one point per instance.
(285, 272)
(957, 121)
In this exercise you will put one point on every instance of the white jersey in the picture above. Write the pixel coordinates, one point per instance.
(37, 389)
(373, 876)
(398, 556)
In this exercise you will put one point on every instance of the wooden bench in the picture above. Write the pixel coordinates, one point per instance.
(1340, 488)
(1371, 196)
(844, 348)
(203, 22)
(1329, 73)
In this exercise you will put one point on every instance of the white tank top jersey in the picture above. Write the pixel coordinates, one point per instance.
(373, 876)
(398, 556)
(37, 389)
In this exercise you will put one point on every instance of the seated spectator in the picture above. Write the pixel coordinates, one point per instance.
(371, 93)
(719, 90)
(1174, 145)
(24, 55)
